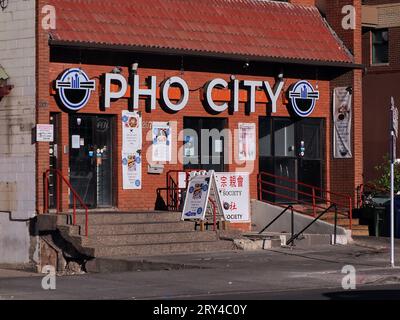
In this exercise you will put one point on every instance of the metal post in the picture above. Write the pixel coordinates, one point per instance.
(292, 223)
(314, 203)
(392, 212)
(335, 231)
(393, 136)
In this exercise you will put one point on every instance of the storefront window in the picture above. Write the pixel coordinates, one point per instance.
(380, 46)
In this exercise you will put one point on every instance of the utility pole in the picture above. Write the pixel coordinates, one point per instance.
(394, 115)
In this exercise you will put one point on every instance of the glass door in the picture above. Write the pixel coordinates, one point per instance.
(310, 166)
(292, 149)
(91, 158)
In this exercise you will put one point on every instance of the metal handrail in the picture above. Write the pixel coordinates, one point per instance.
(312, 222)
(305, 184)
(280, 215)
(172, 188)
(347, 206)
(75, 196)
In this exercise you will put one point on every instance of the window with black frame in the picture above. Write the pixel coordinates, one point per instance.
(380, 46)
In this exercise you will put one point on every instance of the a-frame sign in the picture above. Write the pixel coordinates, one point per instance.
(201, 188)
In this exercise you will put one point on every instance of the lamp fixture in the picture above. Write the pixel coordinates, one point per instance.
(135, 67)
(116, 70)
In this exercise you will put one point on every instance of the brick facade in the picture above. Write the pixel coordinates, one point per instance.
(380, 82)
(339, 175)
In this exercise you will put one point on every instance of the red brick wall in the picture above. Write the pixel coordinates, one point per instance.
(380, 82)
(145, 199)
(42, 100)
(340, 175)
(347, 174)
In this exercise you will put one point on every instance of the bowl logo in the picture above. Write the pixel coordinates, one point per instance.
(303, 98)
(74, 89)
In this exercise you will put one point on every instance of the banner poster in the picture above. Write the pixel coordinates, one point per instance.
(197, 196)
(131, 131)
(342, 117)
(161, 150)
(247, 141)
(234, 192)
(131, 170)
(131, 150)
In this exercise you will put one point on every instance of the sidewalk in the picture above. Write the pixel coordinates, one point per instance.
(223, 274)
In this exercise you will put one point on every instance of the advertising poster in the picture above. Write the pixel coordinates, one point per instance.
(131, 150)
(342, 117)
(197, 197)
(44, 133)
(247, 141)
(131, 170)
(161, 150)
(234, 192)
(131, 131)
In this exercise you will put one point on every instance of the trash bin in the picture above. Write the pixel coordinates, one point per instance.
(379, 227)
(396, 218)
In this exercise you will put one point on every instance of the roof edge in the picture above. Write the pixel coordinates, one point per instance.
(183, 52)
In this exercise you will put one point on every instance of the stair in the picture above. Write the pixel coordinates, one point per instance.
(342, 220)
(121, 234)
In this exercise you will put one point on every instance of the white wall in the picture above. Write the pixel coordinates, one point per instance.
(17, 118)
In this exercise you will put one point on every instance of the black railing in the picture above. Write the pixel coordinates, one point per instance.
(294, 237)
(280, 215)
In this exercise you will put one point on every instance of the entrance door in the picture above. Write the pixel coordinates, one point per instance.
(91, 162)
(292, 149)
(204, 143)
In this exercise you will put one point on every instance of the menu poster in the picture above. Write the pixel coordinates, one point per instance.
(131, 170)
(132, 150)
(161, 150)
(131, 131)
(247, 141)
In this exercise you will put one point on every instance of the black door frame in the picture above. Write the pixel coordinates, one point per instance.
(113, 139)
(271, 160)
(224, 122)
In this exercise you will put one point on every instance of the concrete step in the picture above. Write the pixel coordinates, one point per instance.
(162, 248)
(132, 228)
(150, 238)
(360, 230)
(342, 222)
(121, 217)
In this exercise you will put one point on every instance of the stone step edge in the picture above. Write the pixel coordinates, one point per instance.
(159, 244)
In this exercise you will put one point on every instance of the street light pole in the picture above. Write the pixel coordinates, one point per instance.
(393, 137)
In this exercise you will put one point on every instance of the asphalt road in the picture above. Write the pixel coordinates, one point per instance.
(273, 275)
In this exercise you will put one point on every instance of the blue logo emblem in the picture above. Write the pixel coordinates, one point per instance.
(191, 189)
(74, 89)
(303, 98)
(190, 214)
(199, 211)
(137, 183)
(205, 187)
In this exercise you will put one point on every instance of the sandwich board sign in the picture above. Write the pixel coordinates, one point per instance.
(234, 189)
(201, 186)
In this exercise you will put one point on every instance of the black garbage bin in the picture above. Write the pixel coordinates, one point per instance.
(396, 218)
